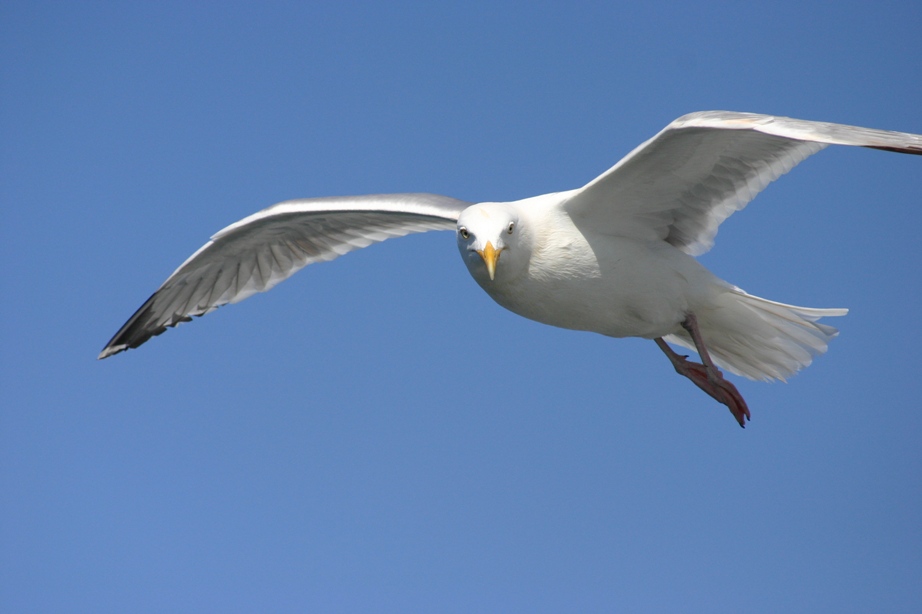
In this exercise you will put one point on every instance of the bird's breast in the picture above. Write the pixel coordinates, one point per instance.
(620, 288)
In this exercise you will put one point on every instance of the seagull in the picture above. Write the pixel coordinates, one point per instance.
(615, 257)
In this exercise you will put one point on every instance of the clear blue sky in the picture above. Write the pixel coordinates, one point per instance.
(375, 435)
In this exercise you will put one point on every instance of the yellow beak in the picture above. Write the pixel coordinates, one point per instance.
(490, 256)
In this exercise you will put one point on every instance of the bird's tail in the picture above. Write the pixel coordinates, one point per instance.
(761, 339)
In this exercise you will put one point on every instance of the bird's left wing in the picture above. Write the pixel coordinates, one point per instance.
(681, 184)
(259, 251)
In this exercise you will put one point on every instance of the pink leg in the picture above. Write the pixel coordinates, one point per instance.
(706, 376)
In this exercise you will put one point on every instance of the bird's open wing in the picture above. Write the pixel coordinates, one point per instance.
(259, 251)
(681, 184)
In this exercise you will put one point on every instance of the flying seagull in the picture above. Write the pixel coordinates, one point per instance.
(615, 256)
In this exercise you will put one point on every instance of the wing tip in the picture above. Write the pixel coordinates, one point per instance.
(137, 331)
(908, 149)
(110, 350)
(132, 338)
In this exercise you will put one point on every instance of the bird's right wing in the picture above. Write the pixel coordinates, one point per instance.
(259, 251)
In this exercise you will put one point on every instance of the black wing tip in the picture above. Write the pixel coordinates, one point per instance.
(138, 330)
(909, 149)
(133, 337)
(111, 350)
(128, 340)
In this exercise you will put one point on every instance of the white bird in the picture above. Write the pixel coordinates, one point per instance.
(614, 257)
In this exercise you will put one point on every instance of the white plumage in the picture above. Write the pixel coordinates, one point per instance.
(614, 257)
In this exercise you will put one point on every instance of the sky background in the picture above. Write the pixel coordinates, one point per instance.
(375, 434)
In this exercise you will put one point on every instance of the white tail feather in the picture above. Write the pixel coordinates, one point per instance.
(761, 339)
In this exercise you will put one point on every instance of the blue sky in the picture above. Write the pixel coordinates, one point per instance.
(375, 434)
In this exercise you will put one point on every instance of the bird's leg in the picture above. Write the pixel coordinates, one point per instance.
(706, 376)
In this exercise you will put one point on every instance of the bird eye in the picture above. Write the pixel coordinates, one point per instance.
(510, 227)
(464, 233)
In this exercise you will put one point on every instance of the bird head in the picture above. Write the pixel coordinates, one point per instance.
(486, 232)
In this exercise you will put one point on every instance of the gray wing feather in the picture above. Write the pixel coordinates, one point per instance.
(683, 183)
(259, 251)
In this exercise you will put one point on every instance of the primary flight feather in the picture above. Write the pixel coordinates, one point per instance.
(615, 257)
